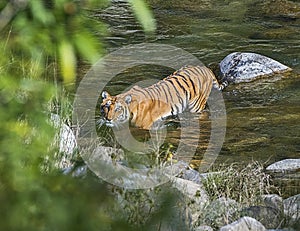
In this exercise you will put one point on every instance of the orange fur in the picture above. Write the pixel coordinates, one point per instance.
(186, 89)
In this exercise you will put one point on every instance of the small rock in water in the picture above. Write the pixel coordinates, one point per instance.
(287, 165)
(240, 67)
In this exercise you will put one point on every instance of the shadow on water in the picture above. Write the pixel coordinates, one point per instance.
(262, 116)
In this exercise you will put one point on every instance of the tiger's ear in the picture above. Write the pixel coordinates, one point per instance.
(105, 94)
(128, 99)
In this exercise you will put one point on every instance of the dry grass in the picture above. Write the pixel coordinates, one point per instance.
(244, 184)
(232, 188)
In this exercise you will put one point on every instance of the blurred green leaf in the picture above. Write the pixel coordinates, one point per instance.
(41, 38)
(40, 13)
(67, 62)
(87, 47)
(143, 14)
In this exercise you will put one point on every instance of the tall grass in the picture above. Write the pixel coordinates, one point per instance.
(242, 183)
(233, 188)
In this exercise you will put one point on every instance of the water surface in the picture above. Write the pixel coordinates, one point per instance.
(262, 116)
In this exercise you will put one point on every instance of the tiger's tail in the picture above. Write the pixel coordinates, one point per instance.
(220, 86)
(219, 83)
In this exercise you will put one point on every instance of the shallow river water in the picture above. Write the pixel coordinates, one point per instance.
(262, 116)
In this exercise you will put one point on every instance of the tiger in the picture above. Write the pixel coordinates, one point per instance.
(186, 89)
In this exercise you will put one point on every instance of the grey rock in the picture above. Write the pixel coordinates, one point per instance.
(240, 67)
(284, 229)
(204, 228)
(292, 210)
(80, 171)
(286, 173)
(273, 201)
(192, 200)
(195, 197)
(287, 165)
(208, 175)
(244, 224)
(268, 216)
(191, 174)
(110, 165)
(65, 140)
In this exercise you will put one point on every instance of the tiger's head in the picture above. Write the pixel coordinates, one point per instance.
(115, 109)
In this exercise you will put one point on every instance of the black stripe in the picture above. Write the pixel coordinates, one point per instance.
(200, 76)
(200, 70)
(189, 79)
(187, 89)
(176, 90)
(179, 84)
(171, 82)
(141, 91)
(169, 91)
(185, 93)
(152, 90)
(158, 90)
(166, 94)
(194, 84)
(201, 102)
(184, 79)
(172, 109)
(195, 71)
(150, 93)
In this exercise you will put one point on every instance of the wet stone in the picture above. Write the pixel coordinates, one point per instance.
(240, 67)
(287, 165)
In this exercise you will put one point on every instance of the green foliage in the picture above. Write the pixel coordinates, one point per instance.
(57, 29)
(37, 39)
(30, 198)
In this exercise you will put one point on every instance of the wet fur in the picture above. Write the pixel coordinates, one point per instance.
(186, 89)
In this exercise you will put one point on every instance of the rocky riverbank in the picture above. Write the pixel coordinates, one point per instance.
(265, 212)
(231, 198)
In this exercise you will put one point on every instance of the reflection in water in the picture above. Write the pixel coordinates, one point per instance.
(263, 116)
(262, 120)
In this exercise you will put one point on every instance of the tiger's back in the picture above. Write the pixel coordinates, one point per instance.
(186, 89)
